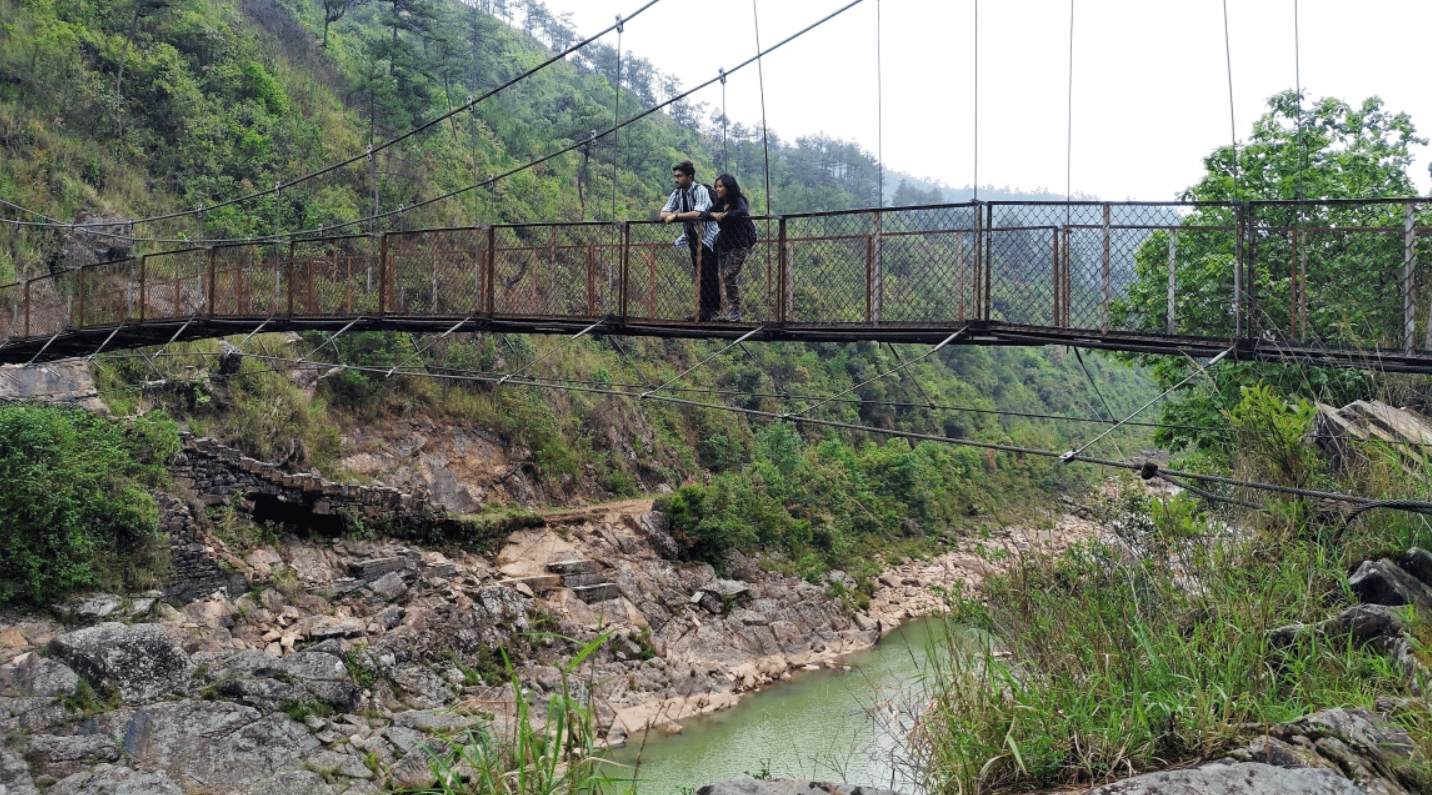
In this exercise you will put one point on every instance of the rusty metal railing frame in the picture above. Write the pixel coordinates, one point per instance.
(613, 297)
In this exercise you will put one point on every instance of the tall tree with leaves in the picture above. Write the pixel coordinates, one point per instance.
(1331, 150)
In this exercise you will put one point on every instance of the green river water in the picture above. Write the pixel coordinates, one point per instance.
(827, 725)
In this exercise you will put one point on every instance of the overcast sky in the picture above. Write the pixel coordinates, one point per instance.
(1150, 78)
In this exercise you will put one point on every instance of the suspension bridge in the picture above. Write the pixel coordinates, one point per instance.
(983, 273)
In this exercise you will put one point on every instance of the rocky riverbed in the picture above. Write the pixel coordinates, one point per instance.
(346, 663)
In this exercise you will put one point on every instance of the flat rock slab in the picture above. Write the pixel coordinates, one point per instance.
(1244, 778)
(15, 775)
(114, 780)
(751, 786)
(144, 661)
(215, 747)
(294, 782)
(29, 674)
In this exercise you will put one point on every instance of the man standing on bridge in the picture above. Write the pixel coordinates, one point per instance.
(686, 204)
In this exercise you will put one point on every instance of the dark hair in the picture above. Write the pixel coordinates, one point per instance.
(686, 167)
(733, 188)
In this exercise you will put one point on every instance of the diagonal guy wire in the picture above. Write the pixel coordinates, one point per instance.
(902, 366)
(702, 363)
(1068, 456)
(551, 351)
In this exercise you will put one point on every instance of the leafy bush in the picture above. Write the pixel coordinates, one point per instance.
(73, 494)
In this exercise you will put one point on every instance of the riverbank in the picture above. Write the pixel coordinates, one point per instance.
(339, 649)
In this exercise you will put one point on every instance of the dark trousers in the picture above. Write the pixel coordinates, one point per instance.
(708, 281)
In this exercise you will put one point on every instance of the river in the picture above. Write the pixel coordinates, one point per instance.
(842, 724)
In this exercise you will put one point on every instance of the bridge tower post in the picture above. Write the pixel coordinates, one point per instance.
(874, 270)
(1250, 273)
(783, 276)
(143, 286)
(1106, 288)
(80, 289)
(210, 264)
(984, 218)
(1238, 229)
(489, 290)
(1409, 273)
(623, 271)
(1057, 274)
(292, 287)
(384, 274)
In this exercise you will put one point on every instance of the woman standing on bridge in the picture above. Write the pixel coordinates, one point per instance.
(737, 235)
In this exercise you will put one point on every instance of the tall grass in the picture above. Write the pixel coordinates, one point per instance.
(555, 755)
(1107, 664)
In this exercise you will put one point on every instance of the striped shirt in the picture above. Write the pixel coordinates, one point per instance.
(695, 197)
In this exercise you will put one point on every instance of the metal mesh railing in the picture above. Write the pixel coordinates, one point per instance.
(437, 272)
(1340, 274)
(556, 270)
(176, 284)
(12, 311)
(336, 277)
(108, 293)
(251, 281)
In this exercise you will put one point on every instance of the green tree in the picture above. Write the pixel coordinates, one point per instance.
(1331, 150)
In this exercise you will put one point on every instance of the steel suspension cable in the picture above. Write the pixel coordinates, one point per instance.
(616, 114)
(879, 120)
(756, 59)
(1069, 130)
(1074, 454)
(1232, 124)
(399, 139)
(765, 129)
(1145, 469)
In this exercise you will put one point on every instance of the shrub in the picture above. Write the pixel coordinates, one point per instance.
(73, 491)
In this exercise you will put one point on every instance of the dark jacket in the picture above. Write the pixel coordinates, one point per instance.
(737, 228)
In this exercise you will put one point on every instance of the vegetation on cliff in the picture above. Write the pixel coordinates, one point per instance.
(74, 494)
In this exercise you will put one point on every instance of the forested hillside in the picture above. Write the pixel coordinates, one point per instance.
(248, 118)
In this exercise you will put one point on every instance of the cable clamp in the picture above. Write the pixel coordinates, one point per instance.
(1067, 456)
(646, 394)
(620, 28)
(723, 76)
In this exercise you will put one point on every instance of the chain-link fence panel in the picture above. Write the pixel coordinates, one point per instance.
(251, 280)
(1338, 274)
(1352, 288)
(830, 267)
(108, 293)
(336, 277)
(50, 304)
(927, 269)
(557, 270)
(661, 282)
(12, 311)
(175, 284)
(1111, 266)
(437, 271)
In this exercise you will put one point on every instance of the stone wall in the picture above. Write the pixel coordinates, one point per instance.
(215, 474)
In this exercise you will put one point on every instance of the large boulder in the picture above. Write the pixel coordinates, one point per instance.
(29, 674)
(1244, 778)
(15, 775)
(221, 747)
(143, 662)
(63, 756)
